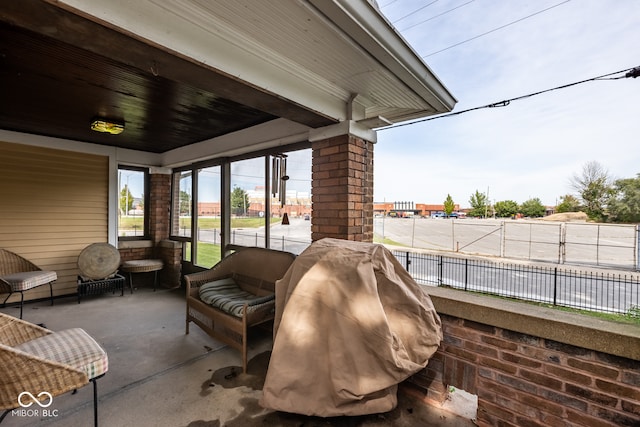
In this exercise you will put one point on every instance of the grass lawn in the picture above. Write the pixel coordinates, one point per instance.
(135, 222)
(208, 254)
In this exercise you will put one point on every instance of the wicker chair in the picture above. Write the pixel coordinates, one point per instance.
(19, 275)
(36, 363)
(250, 275)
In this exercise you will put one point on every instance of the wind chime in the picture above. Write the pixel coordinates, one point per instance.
(279, 180)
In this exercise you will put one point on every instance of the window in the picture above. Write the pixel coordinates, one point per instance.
(208, 216)
(295, 202)
(133, 218)
(248, 202)
(219, 204)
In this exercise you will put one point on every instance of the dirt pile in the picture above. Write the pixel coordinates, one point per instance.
(567, 217)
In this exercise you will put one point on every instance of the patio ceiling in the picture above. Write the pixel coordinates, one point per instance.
(196, 71)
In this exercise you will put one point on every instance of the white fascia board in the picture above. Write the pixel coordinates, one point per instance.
(368, 27)
(177, 26)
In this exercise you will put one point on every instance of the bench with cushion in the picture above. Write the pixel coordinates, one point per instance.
(236, 294)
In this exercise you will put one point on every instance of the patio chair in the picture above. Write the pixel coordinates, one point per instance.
(236, 294)
(39, 364)
(19, 275)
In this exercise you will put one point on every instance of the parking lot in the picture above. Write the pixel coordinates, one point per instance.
(582, 243)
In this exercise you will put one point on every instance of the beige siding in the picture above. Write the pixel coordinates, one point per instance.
(53, 204)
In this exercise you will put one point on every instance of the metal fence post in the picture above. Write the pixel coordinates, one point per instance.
(407, 261)
(555, 286)
(598, 246)
(636, 253)
(440, 271)
(503, 233)
(563, 243)
(466, 273)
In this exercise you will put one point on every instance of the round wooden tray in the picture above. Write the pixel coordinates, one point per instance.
(98, 261)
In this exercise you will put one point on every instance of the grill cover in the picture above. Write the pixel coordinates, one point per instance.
(350, 324)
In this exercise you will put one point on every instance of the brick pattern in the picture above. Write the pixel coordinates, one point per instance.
(159, 203)
(342, 189)
(522, 380)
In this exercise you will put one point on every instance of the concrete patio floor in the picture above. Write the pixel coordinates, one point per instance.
(158, 376)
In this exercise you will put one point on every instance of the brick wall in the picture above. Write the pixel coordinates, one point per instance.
(342, 189)
(524, 380)
(159, 246)
(160, 204)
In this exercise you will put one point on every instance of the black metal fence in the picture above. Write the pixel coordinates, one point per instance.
(586, 290)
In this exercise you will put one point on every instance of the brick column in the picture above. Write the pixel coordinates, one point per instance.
(342, 188)
(159, 229)
(160, 205)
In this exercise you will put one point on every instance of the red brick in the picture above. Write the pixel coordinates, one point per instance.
(481, 349)
(497, 364)
(631, 378)
(496, 411)
(631, 407)
(568, 374)
(583, 419)
(593, 368)
(618, 389)
(498, 342)
(544, 405)
(520, 361)
(541, 379)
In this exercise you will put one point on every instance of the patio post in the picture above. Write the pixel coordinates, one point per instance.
(342, 182)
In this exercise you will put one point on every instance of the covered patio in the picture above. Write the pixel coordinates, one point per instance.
(158, 376)
(181, 91)
(92, 91)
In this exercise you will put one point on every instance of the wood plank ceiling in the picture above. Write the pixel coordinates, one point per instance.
(59, 70)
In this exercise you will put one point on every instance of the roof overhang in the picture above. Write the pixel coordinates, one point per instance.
(310, 63)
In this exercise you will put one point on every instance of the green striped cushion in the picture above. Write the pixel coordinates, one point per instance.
(226, 295)
(72, 347)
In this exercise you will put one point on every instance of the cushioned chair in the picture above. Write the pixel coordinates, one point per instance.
(236, 294)
(46, 363)
(19, 275)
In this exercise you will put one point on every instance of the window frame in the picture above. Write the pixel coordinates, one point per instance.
(146, 199)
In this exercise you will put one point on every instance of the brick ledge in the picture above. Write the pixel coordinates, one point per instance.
(579, 330)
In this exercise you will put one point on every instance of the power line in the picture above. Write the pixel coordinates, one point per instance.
(436, 16)
(496, 29)
(629, 72)
(417, 10)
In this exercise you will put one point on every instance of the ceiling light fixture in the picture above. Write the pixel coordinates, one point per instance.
(110, 126)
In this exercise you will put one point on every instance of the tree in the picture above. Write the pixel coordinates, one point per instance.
(532, 208)
(568, 203)
(239, 201)
(624, 206)
(185, 203)
(506, 208)
(126, 200)
(479, 204)
(594, 187)
(449, 206)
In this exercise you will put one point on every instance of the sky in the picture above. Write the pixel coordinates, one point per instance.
(487, 51)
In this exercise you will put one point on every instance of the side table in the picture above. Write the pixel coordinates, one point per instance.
(142, 266)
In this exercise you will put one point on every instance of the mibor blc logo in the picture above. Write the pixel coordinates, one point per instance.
(27, 399)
